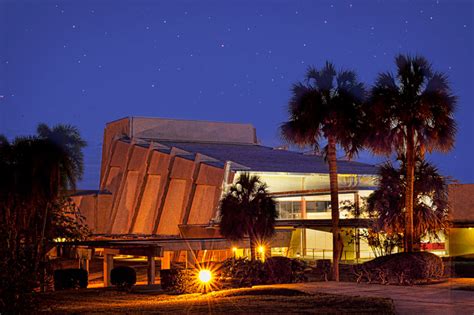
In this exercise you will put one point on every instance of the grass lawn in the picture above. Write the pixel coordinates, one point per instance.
(236, 301)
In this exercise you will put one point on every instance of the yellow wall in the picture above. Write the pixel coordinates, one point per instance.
(461, 241)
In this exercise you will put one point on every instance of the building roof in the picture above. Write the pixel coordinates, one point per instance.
(258, 158)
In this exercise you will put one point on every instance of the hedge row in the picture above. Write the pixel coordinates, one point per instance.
(401, 268)
(237, 273)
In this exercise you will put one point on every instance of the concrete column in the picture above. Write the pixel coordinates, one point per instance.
(84, 264)
(151, 269)
(108, 266)
(166, 260)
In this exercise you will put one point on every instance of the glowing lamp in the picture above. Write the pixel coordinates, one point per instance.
(205, 276)
(234, 249)
(261, 249)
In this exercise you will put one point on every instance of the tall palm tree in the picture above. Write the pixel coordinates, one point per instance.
(328, 105)
(68, 140)
(430, 199)
(411, 112)
(247, 209)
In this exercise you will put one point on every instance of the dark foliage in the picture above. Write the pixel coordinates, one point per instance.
(329, 105)
(35, 171)
(178, 280)
(249, 204)
(70, 278)
(123, 277)
(284, 270)
(414, 101)
(244, 273)
(387, 202)
(401, 268)
(410, 113)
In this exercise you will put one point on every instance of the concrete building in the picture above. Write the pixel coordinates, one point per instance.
(162, 179)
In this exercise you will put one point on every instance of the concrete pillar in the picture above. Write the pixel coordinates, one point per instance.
(151, 269)
(84, 264)
(108, 266)
(166, 260)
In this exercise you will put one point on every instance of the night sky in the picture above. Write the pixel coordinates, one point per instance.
(89, 62)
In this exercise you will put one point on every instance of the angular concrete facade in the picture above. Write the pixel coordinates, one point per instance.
(162, 180)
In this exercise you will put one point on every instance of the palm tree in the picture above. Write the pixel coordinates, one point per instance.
(247, 209)
(35, 170)
(430, 195)
(68, 140)
(411, 112)
(328, 105)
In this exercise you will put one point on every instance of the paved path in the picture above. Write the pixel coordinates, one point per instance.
(426, 299)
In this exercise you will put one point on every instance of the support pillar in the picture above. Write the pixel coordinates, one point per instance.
(109, 254)
(166, 260)
(84, 264)
(151, 269)
(108, 266)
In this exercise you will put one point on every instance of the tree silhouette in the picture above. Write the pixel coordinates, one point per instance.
(247, 209)
(328, 105)
(409, 113)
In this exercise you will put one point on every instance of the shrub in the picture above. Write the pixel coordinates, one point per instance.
(401, 268)
(123, 277)
(284, 270)
(243, 272)
(323, 269)
(178, 280)
(70, 278)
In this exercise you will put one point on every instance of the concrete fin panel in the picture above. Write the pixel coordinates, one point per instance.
(173, 208)
(144, 222)
(203, 206)
(123, 217)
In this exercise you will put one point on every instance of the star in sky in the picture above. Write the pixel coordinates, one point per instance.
(164, 56)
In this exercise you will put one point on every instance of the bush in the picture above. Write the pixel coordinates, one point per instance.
(244, 273)
(178, 280)
(123, 277)
(284, 270)
(323, 269)
(70, 278)
(401, 268)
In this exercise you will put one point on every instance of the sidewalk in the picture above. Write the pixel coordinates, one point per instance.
(440, 298)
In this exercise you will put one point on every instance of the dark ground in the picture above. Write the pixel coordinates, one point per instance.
(235, 301)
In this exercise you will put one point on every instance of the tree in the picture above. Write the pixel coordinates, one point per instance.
(411, 112)
(430, 207)
(328, 105)
(33, 211)
(247, 209)
(68, 139)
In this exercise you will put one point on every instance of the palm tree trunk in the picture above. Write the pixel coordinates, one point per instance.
(410, 156)
(334, 205)
(252, 247)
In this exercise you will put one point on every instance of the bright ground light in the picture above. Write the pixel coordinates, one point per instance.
(205, 276)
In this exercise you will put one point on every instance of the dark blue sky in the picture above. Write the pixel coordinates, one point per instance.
(90, 62)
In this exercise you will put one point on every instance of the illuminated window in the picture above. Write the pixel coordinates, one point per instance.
(289, 209)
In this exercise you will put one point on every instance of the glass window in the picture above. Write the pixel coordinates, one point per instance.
(289, 209)
(317, 206)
